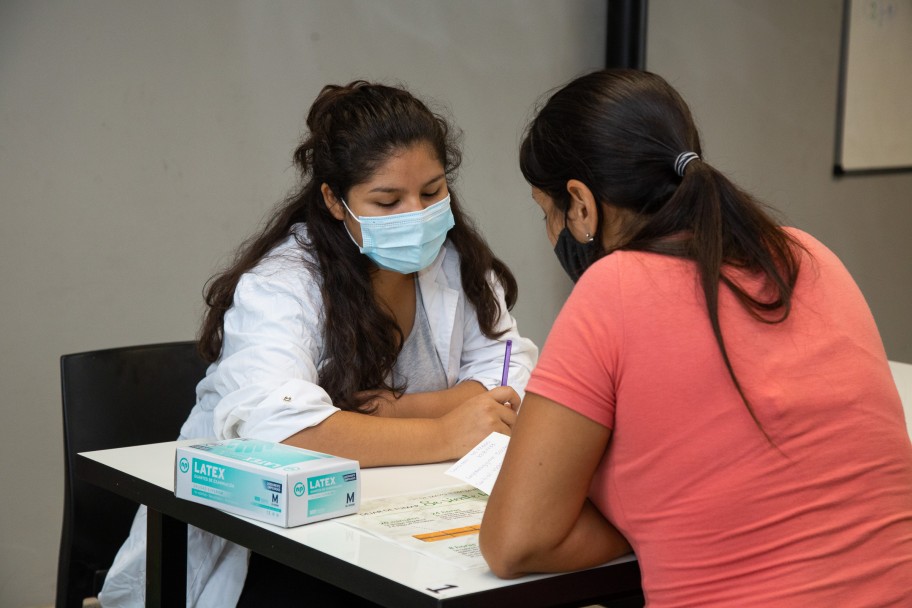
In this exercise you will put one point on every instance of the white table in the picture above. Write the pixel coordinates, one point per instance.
(377, 569)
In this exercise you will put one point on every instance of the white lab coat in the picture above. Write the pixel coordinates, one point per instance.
(264, 386)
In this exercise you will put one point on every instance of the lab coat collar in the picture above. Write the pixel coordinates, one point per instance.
(441, 303)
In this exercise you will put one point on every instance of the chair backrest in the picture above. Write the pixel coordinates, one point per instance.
(114, 398)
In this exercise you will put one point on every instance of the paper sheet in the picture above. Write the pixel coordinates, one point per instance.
(482, 464)
(442, 523)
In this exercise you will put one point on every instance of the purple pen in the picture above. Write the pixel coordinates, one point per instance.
(506, 368)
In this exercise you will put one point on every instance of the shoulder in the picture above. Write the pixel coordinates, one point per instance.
(815, 255)
(810, 244)
(821, 271)
(631, 270)
(290, 259)
(289, 268)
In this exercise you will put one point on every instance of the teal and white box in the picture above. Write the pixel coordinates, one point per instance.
(272, 482)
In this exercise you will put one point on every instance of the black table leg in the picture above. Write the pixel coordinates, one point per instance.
(166, 561)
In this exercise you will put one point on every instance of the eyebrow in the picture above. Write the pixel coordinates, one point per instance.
(389, 189)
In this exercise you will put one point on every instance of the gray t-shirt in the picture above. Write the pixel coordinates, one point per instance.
(418, 363)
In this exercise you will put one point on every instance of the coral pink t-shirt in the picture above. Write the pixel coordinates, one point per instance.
(715, 514)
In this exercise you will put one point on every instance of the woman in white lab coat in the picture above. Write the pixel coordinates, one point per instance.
(366, 319)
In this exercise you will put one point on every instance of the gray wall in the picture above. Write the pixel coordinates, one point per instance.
(762, 80)
(140, 142)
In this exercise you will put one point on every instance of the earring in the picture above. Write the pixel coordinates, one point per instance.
(589, 238)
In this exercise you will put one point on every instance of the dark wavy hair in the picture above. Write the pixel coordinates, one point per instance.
(352, 131)
(620, 132)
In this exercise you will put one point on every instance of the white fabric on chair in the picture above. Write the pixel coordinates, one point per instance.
(902, 376)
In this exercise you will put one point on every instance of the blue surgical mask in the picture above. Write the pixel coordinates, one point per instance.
(404, 242)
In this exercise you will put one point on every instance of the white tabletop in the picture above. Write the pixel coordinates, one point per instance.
(155, 464)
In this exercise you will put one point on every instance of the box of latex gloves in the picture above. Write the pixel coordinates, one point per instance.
(272, 482)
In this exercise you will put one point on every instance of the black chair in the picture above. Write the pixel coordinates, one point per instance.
(114, 398)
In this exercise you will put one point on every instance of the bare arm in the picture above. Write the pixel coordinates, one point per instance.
(379, 441)
(538, 518)
(428, 405)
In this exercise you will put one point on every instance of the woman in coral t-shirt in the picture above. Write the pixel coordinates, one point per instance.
(714, 392)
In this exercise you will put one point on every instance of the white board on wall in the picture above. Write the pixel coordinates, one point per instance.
(875, 130)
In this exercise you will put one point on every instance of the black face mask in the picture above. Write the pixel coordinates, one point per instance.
(574, 257)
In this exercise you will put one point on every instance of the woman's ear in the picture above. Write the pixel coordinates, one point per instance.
(332, 203)
(582, 214)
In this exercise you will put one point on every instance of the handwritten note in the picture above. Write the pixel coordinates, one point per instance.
(482, 464)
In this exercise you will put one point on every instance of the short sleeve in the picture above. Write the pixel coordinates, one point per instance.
(578, 364)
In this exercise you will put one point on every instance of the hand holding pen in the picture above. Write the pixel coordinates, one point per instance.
(478, 417)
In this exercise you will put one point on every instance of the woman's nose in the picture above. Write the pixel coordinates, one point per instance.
(414, 203)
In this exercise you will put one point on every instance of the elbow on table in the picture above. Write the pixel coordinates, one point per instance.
(504, 571)
(504, 558)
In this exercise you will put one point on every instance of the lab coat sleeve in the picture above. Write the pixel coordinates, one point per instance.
(265, 381)
(482, 358)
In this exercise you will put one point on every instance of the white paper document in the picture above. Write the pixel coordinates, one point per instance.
(442, 523)
(482, 464)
